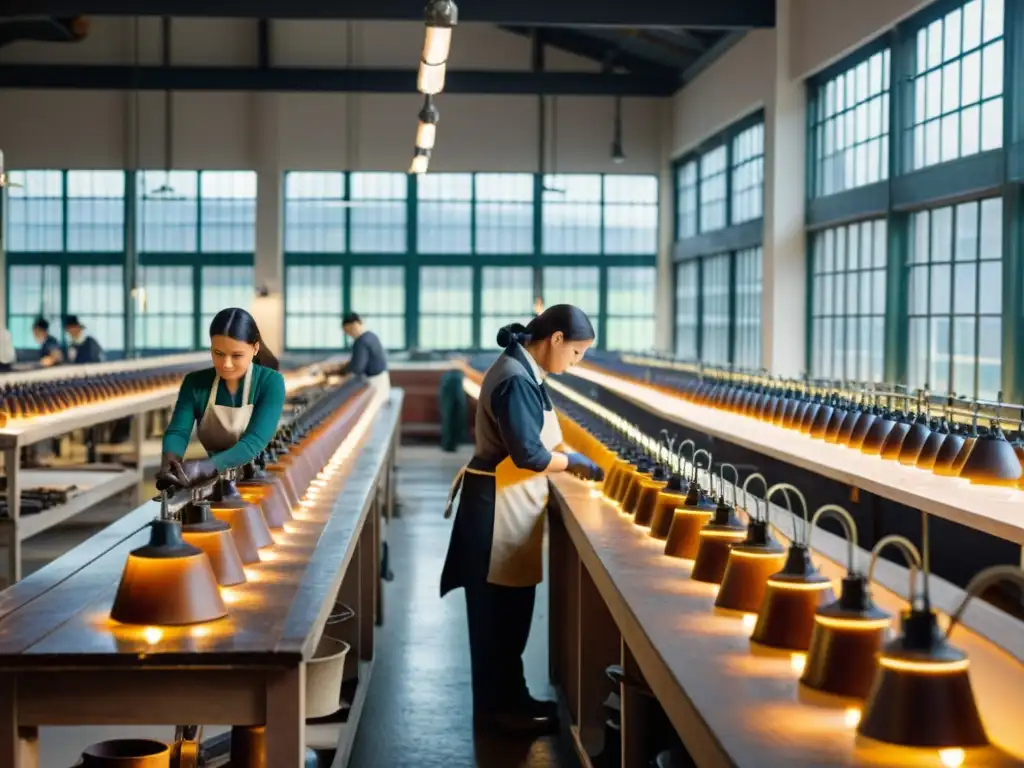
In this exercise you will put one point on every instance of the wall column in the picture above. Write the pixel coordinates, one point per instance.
(269, 262)
(664, 299)
(784, 285)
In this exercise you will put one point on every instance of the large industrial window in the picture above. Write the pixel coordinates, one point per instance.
(503, 216)
(445, 213)
(850, 127)
(315, 212)
(165, 314)
(687, 309)
(686, 200)
(955, 299)
(168, 205)
(378, 212)
(378, 295)
(572, 214)
(36, 212)
(957, 84)
(220, 288)
(506, 296)
(96, 295)
(748, 174)
(747, 347)
(227, 211)
(33, 291)
(95, 209)
(713, 183)
(630, 214)
(631, 292)
(715, 311)
(848, 302)
(313, 307)
(573, 285)
(446, 308)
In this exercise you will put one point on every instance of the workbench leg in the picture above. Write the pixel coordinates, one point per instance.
(19, 747)
(286, 718)
(12, 467)
(138, 438)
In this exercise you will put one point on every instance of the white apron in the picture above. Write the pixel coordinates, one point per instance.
(380, 384)
(520, 500)
(222, 426)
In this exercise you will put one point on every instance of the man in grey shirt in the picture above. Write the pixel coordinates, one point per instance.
(368, 357)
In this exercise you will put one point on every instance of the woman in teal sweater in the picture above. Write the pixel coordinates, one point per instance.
(237, 404)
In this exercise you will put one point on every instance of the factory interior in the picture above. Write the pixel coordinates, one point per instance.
(283, 333)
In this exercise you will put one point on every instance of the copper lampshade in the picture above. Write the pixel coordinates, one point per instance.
(671, 496)
(167, 582)
(750, 563)
(680, 530)
(203, 531)
(915, 440)
(649, 492)
(992, 461)
(785, 619)
(618, 486)
(849, 633)
(922, 695)
(247, 526)
(718, 536)
(643, 474)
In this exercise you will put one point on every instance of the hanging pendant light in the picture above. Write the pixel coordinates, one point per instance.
(849, 633)
(835, 423)
(420, 162)
(893, 443)
(880, 428)
(441, 17)
(618, 155)
(648, 497)
(683, 534)
(672, 495)
(750, 562)
(785, 618)
(718, 536)
(426, 131)
(922, 695)
(167, 582)
(992, 461)
(644, 472)
(916, 439)
(863, 426)
(930, 452)
(248, 526)
(853, 416)
(822, 418)
(203, 531)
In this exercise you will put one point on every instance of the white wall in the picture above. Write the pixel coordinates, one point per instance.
(93, 129)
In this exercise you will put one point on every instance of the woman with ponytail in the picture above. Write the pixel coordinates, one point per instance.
(496, 548)
(237, 404)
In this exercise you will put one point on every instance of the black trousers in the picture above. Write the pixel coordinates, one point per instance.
(499, 625)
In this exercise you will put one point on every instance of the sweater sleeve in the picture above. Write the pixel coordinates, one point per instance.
(520, 416)
(183, 419)
(266, 414)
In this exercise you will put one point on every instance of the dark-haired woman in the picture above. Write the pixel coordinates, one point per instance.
(496, 545)
(237, 404)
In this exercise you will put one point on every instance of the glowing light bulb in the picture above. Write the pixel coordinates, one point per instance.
(797, 662)
(200, 631)
(153, 635)
(952, 758)
(852, 717)
(749, 620)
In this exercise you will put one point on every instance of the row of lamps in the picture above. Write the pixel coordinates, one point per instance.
(915, 688)
(441, 17)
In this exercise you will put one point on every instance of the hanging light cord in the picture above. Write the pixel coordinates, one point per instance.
(695, 468)
(746, 506)
(721, 480)
(786, 488)
(910, 554)
(849, 527)
(981, 582)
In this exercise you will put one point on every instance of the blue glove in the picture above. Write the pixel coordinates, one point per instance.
(583, 468)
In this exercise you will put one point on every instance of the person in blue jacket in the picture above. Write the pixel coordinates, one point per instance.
(496, 547)
(83, 349)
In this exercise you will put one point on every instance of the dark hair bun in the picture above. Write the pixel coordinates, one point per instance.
(514, 333)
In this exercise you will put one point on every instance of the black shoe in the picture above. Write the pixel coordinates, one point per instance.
(518, 722)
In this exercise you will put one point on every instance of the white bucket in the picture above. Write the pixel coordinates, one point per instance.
(324, 673)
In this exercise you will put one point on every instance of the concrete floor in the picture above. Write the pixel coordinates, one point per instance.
(419, 707)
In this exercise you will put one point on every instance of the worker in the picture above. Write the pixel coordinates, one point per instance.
(237, 404)
(368, 358)
(495, 552)
(50, 353)
(8, 355)
(84, 349)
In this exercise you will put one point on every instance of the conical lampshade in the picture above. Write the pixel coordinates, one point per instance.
(668, 498)
(930, 452)
(915, 440)
(649, 492)
(247, 526)
(849, 424)
(947, 454)
(863, 426)
(618, 487)
(257, 486)
(875, 437)
(203, 531)
(821, 420)
(167, 582)
(750, 564)
(716, 538)
(792, 596)
(642, 474)
(835, 423)
(992, 461)
(685, 525)
(893, 443)
(849, 633)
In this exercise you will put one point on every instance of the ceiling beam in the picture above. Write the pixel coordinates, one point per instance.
(724, 14)
(712, 54)
(635, 42)
(297, 79)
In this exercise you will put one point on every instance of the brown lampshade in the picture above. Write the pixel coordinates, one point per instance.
(203, 531)
(167, 582)
(849, 424)
(862, 426)
(612, 477)
(992, 461)
(247, 526)
(647, 499)
(915, 440)
(874, 439)
(849, 633)
(893, 442)
(263, 489)
(930, 452)
(683, 535)
(792, 596)
(946, 457)
(618, 487)
(636, 481)
(715, 540)
(750, 564)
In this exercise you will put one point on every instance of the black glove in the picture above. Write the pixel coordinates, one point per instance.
(198, 471)
(583, 468)
(167, 477)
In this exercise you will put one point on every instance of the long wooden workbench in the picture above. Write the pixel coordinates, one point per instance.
(66, 663)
